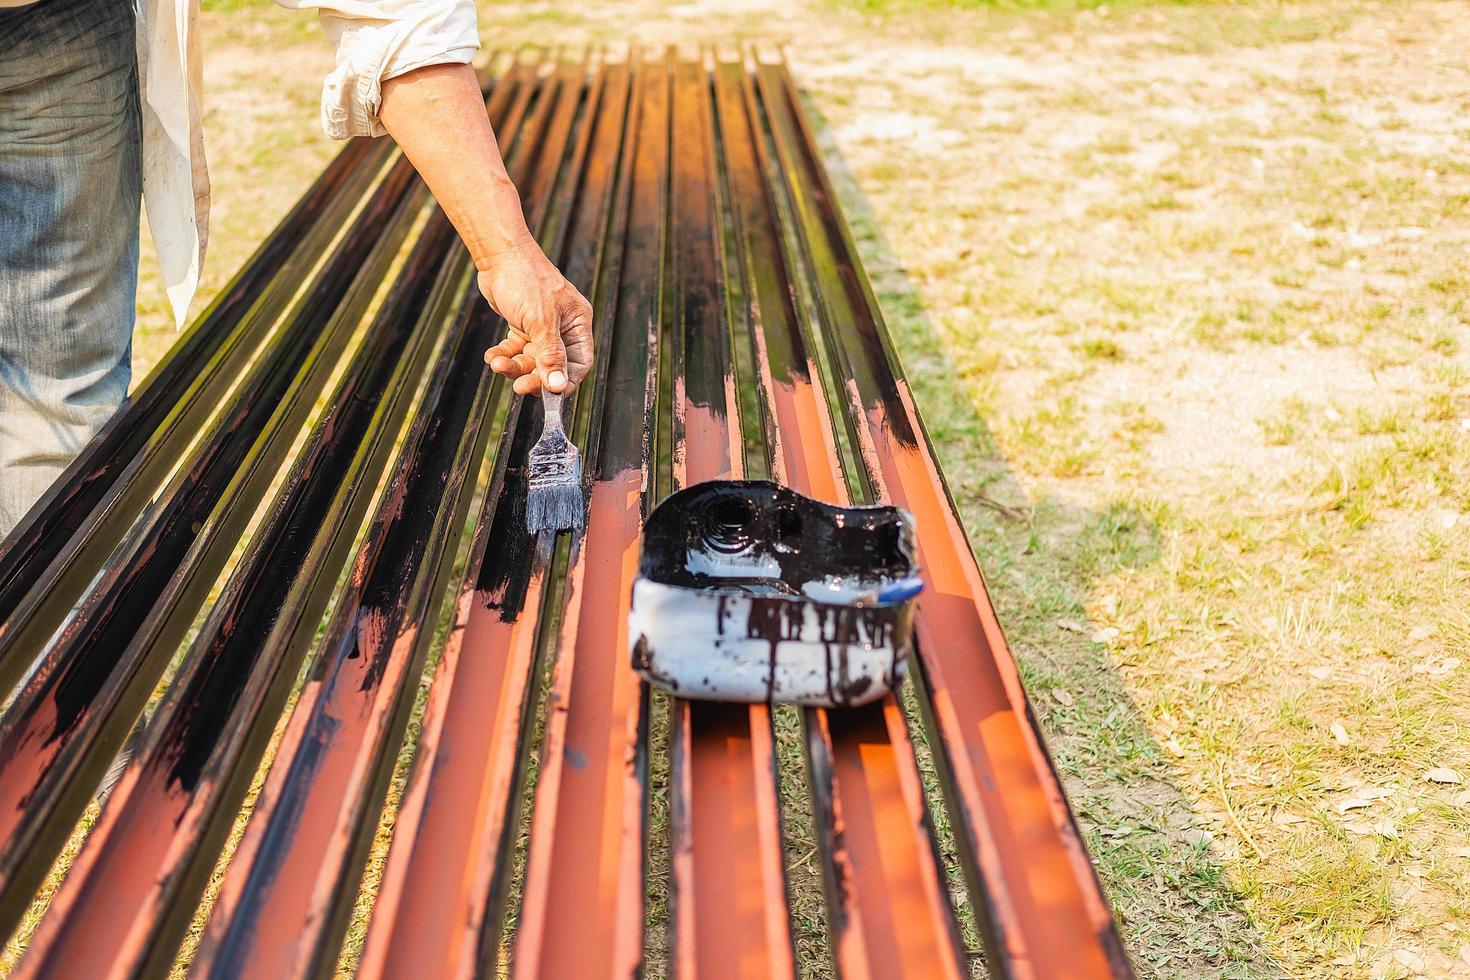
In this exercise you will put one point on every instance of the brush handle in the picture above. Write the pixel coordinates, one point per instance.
(551, 408)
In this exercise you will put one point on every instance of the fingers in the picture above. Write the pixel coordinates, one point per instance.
(501, 357)
(516, 358)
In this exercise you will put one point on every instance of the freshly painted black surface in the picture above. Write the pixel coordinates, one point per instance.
(59, 735)
(50, 558)
(237, 637)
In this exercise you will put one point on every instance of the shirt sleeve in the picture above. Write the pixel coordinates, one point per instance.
(380, 39)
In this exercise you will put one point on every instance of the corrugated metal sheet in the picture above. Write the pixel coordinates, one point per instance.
(736, 335)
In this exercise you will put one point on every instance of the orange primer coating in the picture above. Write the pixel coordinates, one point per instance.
(896, 915)
(282, 947)
(731, 912)
(31, 762)
(152, 843)
(1023, 829)
(582, 913)
(899, 921)
(449, 850)
(1040, 893)
(582, 906)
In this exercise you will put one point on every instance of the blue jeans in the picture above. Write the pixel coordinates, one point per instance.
(70, 186)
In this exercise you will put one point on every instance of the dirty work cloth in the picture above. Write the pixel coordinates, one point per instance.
(70, 185)
(375, 40)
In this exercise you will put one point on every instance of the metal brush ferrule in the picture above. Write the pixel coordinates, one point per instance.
(551, 406)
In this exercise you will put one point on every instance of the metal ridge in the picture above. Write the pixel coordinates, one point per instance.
(193, 372)
(73, 713)
(300, 859)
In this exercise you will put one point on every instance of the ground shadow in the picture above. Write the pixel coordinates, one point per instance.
(1041, 559)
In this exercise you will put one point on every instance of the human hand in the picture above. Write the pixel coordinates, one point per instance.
(550, 339)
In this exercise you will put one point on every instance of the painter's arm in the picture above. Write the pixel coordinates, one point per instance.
(402, 67)
(438, 116)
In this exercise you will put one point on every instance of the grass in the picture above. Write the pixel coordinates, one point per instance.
(1180, 290)
(1246, 502)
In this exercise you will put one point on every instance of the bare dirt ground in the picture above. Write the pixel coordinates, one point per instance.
(1182, 291)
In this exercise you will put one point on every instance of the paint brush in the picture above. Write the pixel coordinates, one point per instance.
(554, 501)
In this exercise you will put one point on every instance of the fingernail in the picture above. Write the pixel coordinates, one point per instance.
(556, 379)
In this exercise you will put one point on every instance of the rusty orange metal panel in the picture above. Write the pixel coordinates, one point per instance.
(581, 912)
(284, 901)
(439, 905)
(693, 207)
(889, 910)
(1043, 909)
(135, 885)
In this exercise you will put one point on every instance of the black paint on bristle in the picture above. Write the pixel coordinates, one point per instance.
(558, 507)
(554, 501)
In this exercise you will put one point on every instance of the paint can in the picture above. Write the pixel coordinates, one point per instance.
(751, 592)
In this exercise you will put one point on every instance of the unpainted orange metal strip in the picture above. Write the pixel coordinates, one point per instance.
(1043, 908)
(889, 910)
(581, 913)
(438, 907)
(730, 916)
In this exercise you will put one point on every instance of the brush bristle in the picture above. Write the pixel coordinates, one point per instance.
(554, 481)
(556, 506)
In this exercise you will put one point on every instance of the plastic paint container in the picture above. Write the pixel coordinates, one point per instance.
(748, 591)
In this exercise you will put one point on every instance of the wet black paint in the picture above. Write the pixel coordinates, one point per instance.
(88, 651)
(855, 337)
(505, 579)
(759, 521)
(45, 532)
(235, 640)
